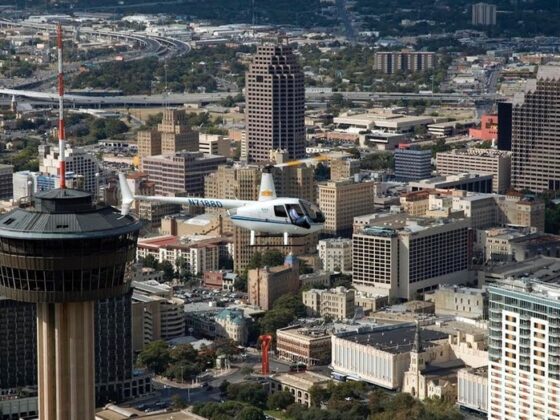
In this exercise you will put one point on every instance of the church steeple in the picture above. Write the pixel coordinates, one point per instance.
(417, 345)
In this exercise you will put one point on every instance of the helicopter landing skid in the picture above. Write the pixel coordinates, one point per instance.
(285, 235)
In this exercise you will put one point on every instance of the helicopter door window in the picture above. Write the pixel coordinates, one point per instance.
(280, 211)
(297, 216)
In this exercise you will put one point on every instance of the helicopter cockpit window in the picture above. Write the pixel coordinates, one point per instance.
(280, 211)
(313, 212)
(297, 215)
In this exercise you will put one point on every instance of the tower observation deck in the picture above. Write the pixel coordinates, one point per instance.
(64, 253)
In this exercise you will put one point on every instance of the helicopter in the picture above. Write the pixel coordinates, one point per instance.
(269, 214)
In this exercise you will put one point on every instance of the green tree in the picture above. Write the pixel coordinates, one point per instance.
(291, 302)
(150, 261)
(247, 392)
(178, 403)
(114, 127)
(183, 353)
(155, 356)
(279, 400)
(168, 270)
(272, 258)
(250, 413)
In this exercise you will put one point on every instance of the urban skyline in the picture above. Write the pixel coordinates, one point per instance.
(288, 211)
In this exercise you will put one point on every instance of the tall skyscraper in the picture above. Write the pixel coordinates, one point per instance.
(64, 254)
(483, 14)
(524, 350)
(535, 140)
(275, 104)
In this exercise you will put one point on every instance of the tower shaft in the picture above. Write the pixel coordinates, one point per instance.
(66, 361)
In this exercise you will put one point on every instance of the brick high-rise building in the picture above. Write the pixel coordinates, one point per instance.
(275, 104)
(535, 140)
(390, 62)
(180, 172)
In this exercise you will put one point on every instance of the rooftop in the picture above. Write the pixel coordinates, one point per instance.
(491, 153)
(546, 269)
(65, 214)
(530, 287)
(301, 380)
(396, 340)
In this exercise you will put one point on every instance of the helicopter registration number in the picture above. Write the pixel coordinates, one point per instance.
(198, 202)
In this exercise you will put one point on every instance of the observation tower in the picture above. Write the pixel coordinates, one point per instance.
(64, 253)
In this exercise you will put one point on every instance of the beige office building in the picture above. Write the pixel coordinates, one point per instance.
(275, 110)
(156, 314)
(149, 143)
(535, 137)
(335, 303)
(214, 144)
(341, 201)
(181, 172)
(176, 135)
(394, 255)
(486, 161)
(299, 384)
(336, 254)
(344, 168)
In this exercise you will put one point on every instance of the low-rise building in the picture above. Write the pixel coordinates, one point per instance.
(232, 324)
(412, 164)
(464, 302)
(472, 388)
(464, 181)
(315, 279)
(336, 254)
(200, 254)
(370, 302)
(298, 384)
(156, 314)
(487, 161)
(381, 355)
(309, 345)
(267, 284)
(519, 245)
(335, 303)
(219, 280)
(547, 269)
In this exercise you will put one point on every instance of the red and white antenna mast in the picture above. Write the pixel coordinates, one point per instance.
(61, 133)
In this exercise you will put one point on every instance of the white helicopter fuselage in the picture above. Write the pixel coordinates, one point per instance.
(267, 217)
